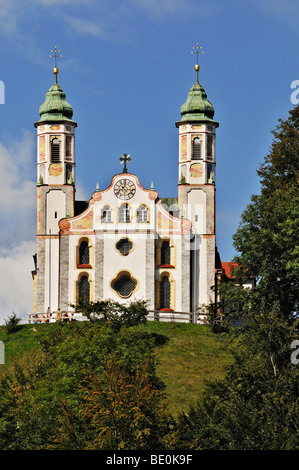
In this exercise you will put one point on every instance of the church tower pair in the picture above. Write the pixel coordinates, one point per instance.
(186, 281)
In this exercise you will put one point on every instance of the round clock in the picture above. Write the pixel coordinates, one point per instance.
(124, 189)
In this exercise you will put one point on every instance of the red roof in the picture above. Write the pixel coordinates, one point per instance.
(228, 267)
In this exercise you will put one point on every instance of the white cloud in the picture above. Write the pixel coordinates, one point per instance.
(84, 26)
(17, 191)
(92, 17)
(285, 10)
(163, 9)
(16, 293)
(18, 225)
(10, 12)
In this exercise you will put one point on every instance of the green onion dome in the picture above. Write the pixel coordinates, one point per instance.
(55, 107)
(197, 107)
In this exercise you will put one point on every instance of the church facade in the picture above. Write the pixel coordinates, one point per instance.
(125, 243)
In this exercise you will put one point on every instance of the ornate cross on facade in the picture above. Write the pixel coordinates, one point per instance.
(125, 159)
(197, 51)
(55, 56)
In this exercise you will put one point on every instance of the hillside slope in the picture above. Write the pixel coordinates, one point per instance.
(188, 356)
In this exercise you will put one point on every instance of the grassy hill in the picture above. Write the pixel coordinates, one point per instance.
(188, 356)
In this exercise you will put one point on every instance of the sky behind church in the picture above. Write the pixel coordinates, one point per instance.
(126, 69)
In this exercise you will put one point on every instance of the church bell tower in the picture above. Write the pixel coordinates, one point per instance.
(55, 189)
(196, 187)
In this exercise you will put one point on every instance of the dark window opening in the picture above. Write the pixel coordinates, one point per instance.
(124, 286)
(84, 253)
(164, 293)
(124, 246)
(55, 215)
(84, 290)
(165, 253)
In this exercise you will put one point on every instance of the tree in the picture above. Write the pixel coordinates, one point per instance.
(115, 314)
(255, 407)
(118, 411)
(13, 323)
(267, 237)
(39, 392)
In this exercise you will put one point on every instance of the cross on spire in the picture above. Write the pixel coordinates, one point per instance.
(197, 51)
(55, 56)
(125, 159)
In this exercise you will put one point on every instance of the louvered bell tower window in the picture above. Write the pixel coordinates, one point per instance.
(55, 150)
(196, 149)
(124, 286)
(164, 293)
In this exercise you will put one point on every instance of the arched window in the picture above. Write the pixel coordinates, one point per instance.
(84, 253)
(196, 149)
(164, 293)
(142, 214)
(165, 253)
(106, 214)
(124, 213)
(55, 150)
(84, 290)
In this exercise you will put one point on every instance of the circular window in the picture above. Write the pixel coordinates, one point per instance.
(124, 285)
(124, 246)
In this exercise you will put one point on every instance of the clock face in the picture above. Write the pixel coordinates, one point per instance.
(124, 189)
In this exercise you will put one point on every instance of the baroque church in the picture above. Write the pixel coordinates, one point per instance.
(126, 243)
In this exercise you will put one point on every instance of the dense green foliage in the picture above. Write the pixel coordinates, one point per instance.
(267, 238)
(115, 314)
(36, 391)
(255, 407)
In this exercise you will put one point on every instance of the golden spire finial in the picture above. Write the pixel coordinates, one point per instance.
(55, 69)
(197, 51)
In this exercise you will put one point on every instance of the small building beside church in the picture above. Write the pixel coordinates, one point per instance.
(125, 243)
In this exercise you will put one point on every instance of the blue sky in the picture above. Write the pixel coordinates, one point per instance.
(126, 68)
